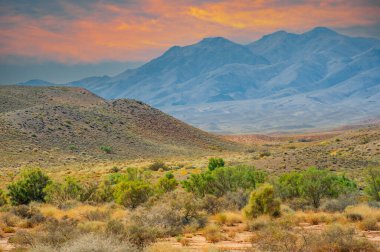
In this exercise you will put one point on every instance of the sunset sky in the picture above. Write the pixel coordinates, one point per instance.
(91, 32)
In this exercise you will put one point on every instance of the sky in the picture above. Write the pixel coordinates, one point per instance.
(62, 41)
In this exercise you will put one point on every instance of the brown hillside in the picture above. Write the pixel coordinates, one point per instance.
(37, 123)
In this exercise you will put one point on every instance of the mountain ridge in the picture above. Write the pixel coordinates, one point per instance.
(216, 70)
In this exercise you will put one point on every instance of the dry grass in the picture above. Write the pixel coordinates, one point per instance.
(160, 247)
(315, 218)
(83, 212)
(228, 218)
(364, 210)
(212, 233)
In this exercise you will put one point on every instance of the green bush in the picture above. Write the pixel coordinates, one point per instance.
(317, 184)
(223, 180)
(57, 193)
(313, 185)
(373, 183)
(132, 193)
(262, 201)
(30, 187)
(214, 163)
(3, 198)
(106, 149)
(167, 183)
(288, 185)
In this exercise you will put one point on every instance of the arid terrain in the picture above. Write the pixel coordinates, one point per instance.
(121, 176)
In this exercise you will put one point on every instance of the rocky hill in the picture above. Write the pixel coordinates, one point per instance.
(51, 124)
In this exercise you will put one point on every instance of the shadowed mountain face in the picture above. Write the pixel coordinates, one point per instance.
(47, 121)
(283, 81)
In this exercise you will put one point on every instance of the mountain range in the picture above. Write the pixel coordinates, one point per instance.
(282, 82)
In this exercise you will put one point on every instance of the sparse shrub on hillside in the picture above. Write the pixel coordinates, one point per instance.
(167, 183)
(222, 180)
(132, 193)
(265, 154)
(106, 149)
(29, 187)
(72, 147)
(214, 163)
(115, 169)
(156, 165)
(3, 198)
(262, 201)
(373, 183)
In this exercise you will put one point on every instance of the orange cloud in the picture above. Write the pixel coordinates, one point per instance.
(146, 28)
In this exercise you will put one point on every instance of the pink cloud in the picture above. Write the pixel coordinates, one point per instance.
(144, 30)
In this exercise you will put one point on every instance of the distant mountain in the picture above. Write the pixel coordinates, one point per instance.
(73, 122)
(219, 85)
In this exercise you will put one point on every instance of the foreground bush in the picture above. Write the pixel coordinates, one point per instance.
(335, 238)
(262, 201)
(87, 243)
(30, 187)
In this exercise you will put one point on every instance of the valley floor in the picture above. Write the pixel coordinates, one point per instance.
(347, 152)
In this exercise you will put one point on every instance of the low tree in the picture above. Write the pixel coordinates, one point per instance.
(214, 163)
(29, 187)
(317, 184)
(313, 185)
(262, 201)
(132, 193)
(373, 183)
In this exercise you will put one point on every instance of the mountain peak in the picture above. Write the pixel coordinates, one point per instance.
(321, 31)
(215, 40)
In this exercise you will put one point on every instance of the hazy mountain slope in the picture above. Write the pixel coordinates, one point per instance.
(318, 66)
(73, 121)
